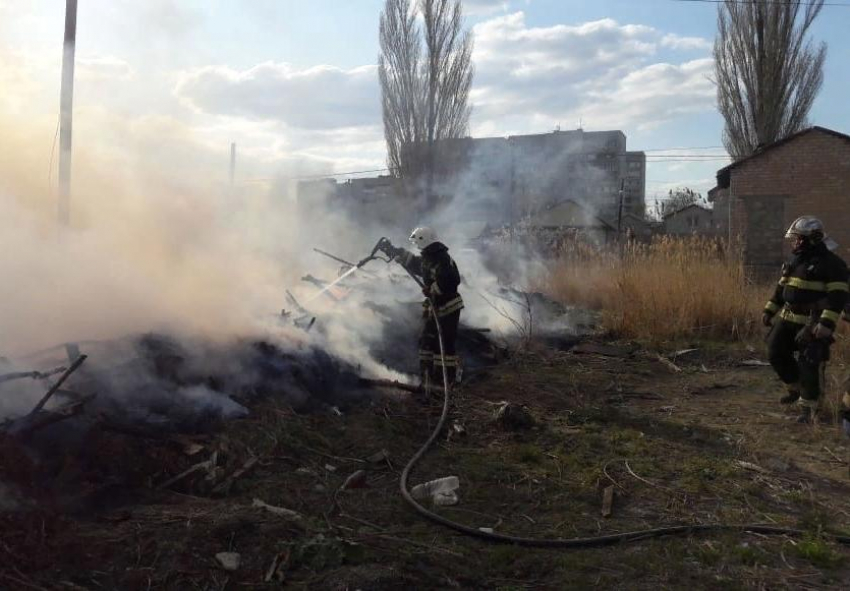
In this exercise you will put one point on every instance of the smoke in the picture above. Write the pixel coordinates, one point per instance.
(158, 242)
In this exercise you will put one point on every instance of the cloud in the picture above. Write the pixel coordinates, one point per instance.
(652, 95)
(322, 97)
(528, 79)
(677, 42)
(103, 69)
(603, 72)
(485, 7)
(168, 17)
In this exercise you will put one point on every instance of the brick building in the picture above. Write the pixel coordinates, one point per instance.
(758, 197)
(690, 220)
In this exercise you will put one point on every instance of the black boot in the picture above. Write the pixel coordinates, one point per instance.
(808, 416)
(792, 396)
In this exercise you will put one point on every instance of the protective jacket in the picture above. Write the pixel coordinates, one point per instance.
(813, 288)
(439, 274)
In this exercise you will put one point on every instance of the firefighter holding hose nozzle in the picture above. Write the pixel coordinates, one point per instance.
(440, 281)
(809, 299)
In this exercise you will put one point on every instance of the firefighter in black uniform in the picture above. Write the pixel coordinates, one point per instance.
(440, 278)
(809, 299)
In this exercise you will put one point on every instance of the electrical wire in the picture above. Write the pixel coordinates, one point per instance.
(314, 176)
(565, 543)
(353, 172)
(683, 148)
(654, 158)
(776, 2)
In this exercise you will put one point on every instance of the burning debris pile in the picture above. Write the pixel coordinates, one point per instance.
(140, 424)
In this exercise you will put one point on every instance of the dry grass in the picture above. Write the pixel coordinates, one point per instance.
(677, 289)
(669, 289)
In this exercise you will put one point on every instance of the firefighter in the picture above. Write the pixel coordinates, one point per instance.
(440, 278)
(811, 294)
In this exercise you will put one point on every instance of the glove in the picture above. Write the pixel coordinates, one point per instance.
(815, 352)
(767, 319)
(822, 332)
(426, 291)
(387, 248)
(804, 336)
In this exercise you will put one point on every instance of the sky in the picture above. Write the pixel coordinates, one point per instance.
(294, 82)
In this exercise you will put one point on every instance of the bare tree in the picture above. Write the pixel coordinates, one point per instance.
(426, 75)
(767, 72)
(401, 87)
(677, 199)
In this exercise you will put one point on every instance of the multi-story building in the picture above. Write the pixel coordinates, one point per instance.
(502, 181)
(508, 179)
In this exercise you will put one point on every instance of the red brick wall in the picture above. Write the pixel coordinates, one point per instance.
(809, 175)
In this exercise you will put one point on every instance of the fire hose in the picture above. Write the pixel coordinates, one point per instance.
(566, 543)
(588, 542)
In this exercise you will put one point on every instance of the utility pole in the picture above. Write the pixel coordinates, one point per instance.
(66, 111)
(232, 163)
(620, 208)
(620, 217)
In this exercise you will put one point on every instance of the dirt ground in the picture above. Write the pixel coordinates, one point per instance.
(699, 441)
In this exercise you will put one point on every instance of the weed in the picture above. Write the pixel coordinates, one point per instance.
(529, 453)
(818, 552)
(749, 555)
(709, 556)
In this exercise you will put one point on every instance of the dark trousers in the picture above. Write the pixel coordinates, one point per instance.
(784, 354)
(430, 361)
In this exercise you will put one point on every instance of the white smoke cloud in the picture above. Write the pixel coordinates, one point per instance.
(160, 242)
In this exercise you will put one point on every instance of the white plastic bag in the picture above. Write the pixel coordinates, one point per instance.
(442, 492)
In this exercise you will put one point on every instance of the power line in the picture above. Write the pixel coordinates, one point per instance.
(654, 157)
(314, 176)
(682, 148)
(673, 182)
(777, 2)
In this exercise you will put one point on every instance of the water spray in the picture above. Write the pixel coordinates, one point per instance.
(354, 268)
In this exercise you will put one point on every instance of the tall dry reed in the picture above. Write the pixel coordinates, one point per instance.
(675, 289)
(668, 289)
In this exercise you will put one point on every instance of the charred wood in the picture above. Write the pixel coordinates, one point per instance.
(35, 375)
(74, 367)
(33, 422)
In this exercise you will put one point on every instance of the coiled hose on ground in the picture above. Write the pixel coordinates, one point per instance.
(590, 542)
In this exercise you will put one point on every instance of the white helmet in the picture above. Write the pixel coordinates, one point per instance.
(806, 226)
(423, 237)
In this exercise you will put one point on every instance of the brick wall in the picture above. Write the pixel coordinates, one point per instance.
(809, 175)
